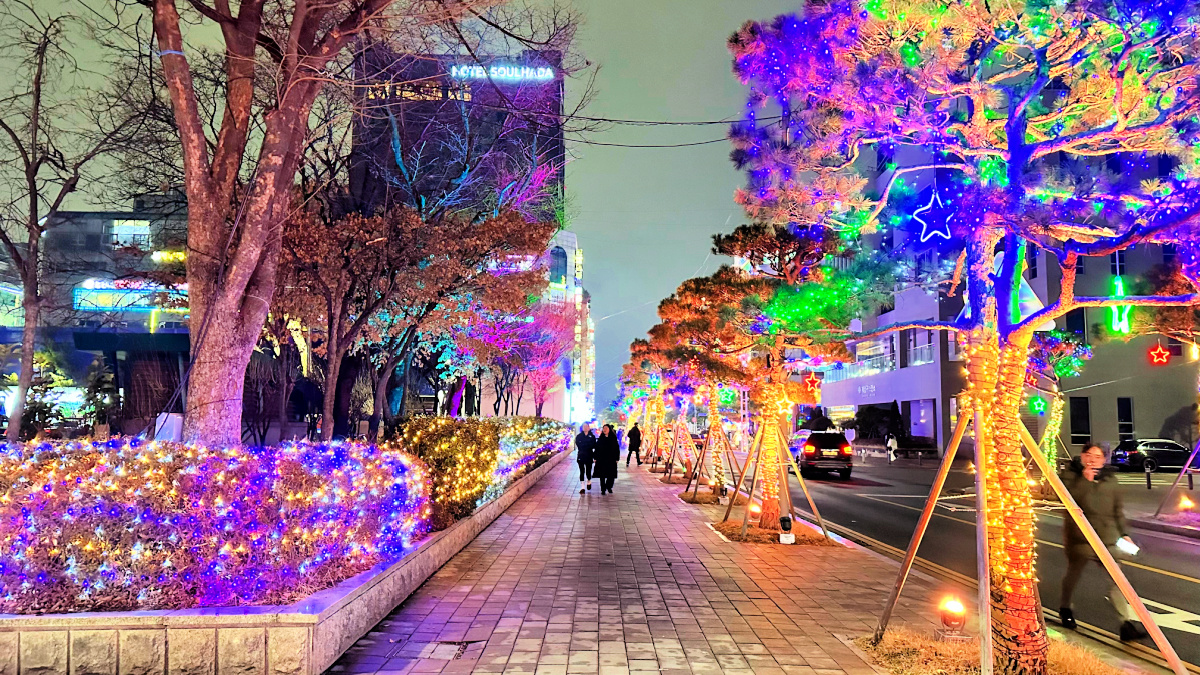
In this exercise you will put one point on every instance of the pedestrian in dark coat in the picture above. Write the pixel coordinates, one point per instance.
(635, 445)
(1095, 488)
(608, 453)
(585, 447)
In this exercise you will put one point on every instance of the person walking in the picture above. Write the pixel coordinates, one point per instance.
(608, 453)
(585, 448)
(1095, 488)
(892, 446)
(635, 445)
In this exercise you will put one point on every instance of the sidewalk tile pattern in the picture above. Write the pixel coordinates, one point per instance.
(634, 582)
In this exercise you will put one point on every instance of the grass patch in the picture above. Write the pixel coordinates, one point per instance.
(904, 651)
(732, 529)
(704, 496)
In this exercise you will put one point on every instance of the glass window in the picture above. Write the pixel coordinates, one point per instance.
(1033, 261)
(1168, 251)
(1080, 266)
(558, 265)
(1077, 322)
(1116, 263)
(1081, 420)
(1125, 419)
(1175, 347)
(131, 233)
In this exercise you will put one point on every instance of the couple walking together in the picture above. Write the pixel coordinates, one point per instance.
(597, 457)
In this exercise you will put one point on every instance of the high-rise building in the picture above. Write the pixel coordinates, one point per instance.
(444, 133)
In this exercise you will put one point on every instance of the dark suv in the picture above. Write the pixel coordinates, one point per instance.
(825, 451)
(1151, 454)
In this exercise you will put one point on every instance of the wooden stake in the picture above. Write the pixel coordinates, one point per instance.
(1106, 557)
(742, 476)
(753, 486)
(910, 555)
(983, 563)
(804, 486)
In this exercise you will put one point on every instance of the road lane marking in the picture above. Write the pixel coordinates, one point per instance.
(1129, 563)
(1173, 617)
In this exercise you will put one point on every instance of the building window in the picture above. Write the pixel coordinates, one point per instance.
(131, 233)
(1168, 251)
(1116, 263)
(558, 265)
(1080, 266)
(1124, 419)
(1077, 322)
(1175, 347)
(1033, 262)
(1081, 420)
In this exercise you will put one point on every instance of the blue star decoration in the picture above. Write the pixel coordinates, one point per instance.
(934, 218)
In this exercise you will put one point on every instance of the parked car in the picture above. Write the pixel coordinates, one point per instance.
(1151, 454)
(824, 451)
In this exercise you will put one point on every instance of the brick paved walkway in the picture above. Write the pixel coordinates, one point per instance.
(632, 582)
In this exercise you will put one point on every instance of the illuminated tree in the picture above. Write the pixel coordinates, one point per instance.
(1008, 112)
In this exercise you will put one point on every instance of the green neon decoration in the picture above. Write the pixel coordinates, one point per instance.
(1119, 316)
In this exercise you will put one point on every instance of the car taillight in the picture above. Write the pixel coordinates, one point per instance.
(845, 449)
(810, 449)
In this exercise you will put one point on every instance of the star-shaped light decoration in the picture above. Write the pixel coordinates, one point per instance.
(1038, 405)
(812, 383)
(1159, 356)
(934, 218)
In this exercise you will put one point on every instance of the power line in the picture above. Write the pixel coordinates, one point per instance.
(665, 145)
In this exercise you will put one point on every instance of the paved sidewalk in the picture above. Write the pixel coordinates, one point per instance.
(634, 582)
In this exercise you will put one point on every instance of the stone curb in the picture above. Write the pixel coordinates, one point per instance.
(304, 638)
(1154, 525)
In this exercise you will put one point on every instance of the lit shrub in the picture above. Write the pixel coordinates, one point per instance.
(146, 525)
(473, 460)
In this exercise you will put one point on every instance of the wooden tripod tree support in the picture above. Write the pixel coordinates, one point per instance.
(1106, 557)
(742, 476)
(753, 485)
(803, 486)
(1184, 470)
(910, 555)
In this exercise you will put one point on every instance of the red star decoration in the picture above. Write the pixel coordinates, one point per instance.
(1159, 356)
(812, 382)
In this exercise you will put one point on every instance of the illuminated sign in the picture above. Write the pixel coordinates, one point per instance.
(128, 295)
(510, 73)
(1119, 315)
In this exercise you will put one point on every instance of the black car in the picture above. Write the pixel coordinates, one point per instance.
(1151, 454)
(825, 451)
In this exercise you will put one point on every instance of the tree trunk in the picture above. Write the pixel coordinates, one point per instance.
(455, 401)
(32, 305)
(332, 380)
(381, 389)
(1018, 627)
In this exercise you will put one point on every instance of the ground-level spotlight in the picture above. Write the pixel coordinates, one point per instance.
(954, 617)
(1186, 504)
(786, 536)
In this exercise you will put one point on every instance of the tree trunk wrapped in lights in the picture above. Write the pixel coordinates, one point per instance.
(774, 404)
(716, 436)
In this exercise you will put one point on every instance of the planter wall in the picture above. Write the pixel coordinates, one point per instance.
(303, 638)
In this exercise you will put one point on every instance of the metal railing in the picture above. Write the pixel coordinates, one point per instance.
(867, 367)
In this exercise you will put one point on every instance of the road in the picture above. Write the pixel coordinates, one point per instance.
(884, 503)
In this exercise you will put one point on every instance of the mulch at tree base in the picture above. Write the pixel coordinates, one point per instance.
(732, 529)
(674, 480)
(904, 651)
(704, 496)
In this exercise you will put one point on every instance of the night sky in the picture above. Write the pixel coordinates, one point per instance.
(645, 216)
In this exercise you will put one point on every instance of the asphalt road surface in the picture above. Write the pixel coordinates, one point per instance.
(884, 502)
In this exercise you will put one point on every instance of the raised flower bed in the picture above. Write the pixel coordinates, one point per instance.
(274, 558)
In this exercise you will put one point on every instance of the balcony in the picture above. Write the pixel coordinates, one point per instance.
(921, 355)
(865, 368)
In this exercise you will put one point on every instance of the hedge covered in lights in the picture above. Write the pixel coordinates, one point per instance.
(130, 524)
(473, 460)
